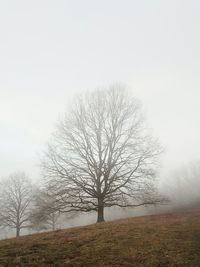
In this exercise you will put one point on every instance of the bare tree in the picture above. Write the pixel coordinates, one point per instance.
(44, 215)
(15, 200)
(182, 186)
(102, 155)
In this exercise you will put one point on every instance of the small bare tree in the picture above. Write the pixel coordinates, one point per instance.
(102, 155)
(44, 215)
(182, 186)
(15, 202)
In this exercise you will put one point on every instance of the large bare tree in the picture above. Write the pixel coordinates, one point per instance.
(102, 155)
(15, 202)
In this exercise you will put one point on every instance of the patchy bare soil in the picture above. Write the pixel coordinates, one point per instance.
(150, 241)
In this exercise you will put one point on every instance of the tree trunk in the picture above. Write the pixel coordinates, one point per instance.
(18, 223)
(53, 222)
(17, 231)
(100, 211)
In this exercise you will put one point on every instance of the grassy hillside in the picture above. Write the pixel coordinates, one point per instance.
(157, 241)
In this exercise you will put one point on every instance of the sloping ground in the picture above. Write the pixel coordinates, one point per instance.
(156, 241)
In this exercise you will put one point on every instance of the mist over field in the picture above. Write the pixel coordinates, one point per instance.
(51, 52)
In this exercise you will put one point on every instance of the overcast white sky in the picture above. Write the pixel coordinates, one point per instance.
(50, 50)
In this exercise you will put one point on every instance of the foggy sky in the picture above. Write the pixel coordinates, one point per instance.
(50, 50)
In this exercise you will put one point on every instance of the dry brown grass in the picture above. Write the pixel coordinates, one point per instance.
(150, 241)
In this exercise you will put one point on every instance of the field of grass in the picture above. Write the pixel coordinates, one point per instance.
(150, 241)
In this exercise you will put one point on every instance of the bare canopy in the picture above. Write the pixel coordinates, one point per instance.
(102, 155)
